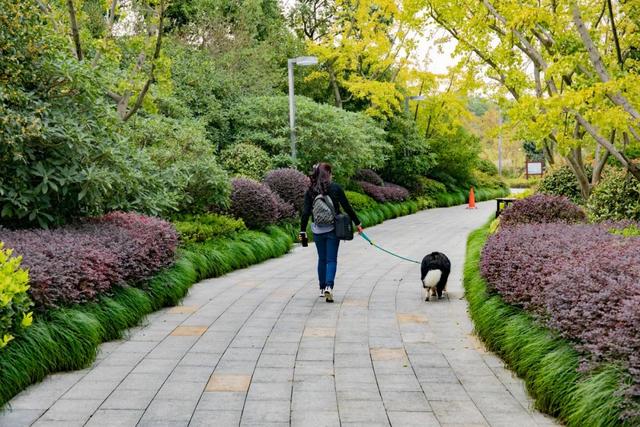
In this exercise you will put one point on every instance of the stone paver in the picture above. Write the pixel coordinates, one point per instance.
(258, 347)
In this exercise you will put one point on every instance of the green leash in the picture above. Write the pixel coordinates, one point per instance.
(365, 237)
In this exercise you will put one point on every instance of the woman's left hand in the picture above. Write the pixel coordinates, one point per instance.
(360, 229)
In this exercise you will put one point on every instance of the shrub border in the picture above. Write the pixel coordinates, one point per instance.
(547, 363)
(68, 338)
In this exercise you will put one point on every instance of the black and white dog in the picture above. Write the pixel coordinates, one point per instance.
(435, 271)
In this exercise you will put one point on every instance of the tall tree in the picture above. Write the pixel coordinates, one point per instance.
(542, 54)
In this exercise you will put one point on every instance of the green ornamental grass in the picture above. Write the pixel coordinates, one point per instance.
(548, 364)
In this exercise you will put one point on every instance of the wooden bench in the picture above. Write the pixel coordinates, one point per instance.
(502, 203)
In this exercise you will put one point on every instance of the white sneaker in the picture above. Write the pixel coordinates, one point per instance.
(328, 295)
(321, 292)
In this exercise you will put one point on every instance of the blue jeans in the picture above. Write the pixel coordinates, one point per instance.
(327, 245)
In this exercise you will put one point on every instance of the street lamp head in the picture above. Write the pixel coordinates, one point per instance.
(306, 60)
(417, 98)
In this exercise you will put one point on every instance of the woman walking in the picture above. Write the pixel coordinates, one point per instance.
(323, 201)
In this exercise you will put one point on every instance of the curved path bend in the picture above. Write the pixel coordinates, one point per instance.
(258, 347)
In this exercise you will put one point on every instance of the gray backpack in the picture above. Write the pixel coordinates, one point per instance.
(323, 211)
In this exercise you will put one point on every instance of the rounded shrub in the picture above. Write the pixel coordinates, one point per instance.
(388, 193)
(289, 184)
(424, 186)
(370, 176)
(14, 301)
(542, 208)
(616, 197)
(246, 160)
(360, 201)
(284, 208)
(201, 228)
(562, 182)
(253, 202)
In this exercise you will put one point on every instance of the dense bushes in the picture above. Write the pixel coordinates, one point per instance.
(246, 160)
(14, 301)
(387, 193)
(580, 280)
(367, 175)
(457, 157)
(253, 202)
(548, 365)
(616, 197)
(78, 263)
(541, 208)
(289, 184)
(347, 140)
(200, 228)
(359, 201)
(562, 182)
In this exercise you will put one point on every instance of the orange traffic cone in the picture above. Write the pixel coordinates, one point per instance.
(472, 200)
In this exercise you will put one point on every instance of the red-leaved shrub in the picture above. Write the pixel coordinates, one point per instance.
(542, 208)
(580, 280)
(370, 176)
(254, 202)
(77, 263)
(289, 184)
(388, 193)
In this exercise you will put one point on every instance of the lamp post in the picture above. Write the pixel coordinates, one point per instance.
(303, 61)
(412, 98)
(500, 142)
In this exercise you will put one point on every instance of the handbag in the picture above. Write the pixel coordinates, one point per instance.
(344, 227)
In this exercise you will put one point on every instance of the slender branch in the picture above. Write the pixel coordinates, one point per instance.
(151, 78)
(630, 166)
(615, 35)
(598, 64)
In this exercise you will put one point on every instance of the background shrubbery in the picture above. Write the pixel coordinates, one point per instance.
(541, 208)
(78, 263)
(201, 228)
(253, 202)
(246, 160)
(561, 182)
(289, 184)
(616, 197)
(387, 193)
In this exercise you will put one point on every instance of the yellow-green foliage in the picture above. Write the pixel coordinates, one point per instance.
(493, 227)
(14, 301)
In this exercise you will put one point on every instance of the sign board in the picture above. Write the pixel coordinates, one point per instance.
(534, 168)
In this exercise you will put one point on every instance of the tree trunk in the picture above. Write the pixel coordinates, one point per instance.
(577, 165)
(75, 34)
(335, 87)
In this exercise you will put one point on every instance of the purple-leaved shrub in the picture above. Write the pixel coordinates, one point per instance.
(578, 279)
(370, 176)
(388, 193)
(542, 208)
(254, 203)
(77, 263)
(289, 184)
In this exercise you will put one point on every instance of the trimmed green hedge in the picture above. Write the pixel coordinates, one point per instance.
(548, 364)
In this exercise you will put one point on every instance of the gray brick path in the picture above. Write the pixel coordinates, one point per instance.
(257, 347)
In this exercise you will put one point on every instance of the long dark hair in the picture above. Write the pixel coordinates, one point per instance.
(320, 179)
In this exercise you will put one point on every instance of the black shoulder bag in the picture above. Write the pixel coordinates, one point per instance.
(343, 224)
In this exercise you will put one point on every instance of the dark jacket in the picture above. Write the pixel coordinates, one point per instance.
(339, 200)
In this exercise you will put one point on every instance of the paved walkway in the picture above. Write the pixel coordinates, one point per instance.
(258, 347)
